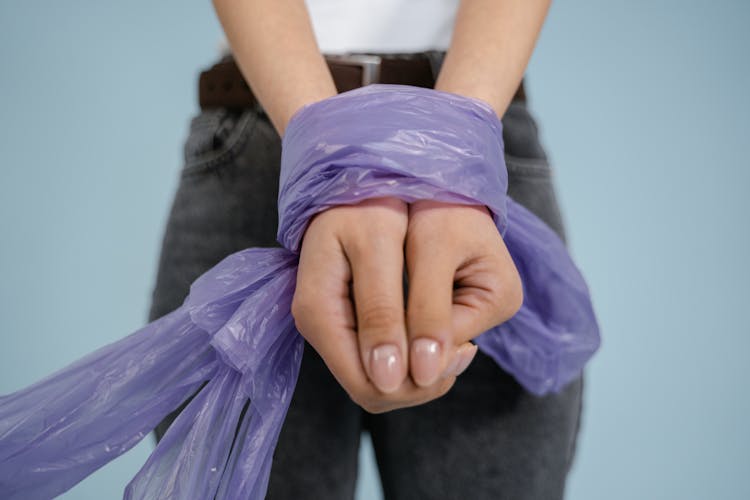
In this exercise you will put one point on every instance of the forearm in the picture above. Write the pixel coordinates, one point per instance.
(490, 49)
(274, 45)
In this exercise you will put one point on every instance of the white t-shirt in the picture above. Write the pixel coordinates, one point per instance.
(382, 25)
(342, 26)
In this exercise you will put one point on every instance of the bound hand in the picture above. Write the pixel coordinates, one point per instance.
(462, 282)
(363, 336)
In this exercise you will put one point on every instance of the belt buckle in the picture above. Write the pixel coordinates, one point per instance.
(369, 63)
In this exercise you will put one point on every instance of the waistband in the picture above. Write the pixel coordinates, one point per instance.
(223, 85)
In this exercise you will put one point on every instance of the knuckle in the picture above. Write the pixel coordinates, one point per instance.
(505, 293)
(495, 283)
(420, 317)
(378, 312)
(296, 307)
(424, 236)
(301, 308)
(370, 241)
(515, 299)
(371, 231)
(436, 330)
(511, 293)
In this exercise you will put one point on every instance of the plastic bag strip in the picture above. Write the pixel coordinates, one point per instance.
(232, 345)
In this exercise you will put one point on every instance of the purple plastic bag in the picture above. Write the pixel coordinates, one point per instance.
(234, 337)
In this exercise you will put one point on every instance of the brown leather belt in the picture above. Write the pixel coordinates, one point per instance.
(223, 86)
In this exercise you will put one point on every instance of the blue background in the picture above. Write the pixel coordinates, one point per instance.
(644, 111)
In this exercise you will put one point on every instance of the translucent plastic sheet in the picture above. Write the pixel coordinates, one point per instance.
(234, 337)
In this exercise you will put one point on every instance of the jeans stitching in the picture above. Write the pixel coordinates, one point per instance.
(239, 137)
(528, 167)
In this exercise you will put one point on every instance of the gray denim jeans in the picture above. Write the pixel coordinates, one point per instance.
(487, 438)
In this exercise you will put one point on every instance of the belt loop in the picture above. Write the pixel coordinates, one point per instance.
(436, 61)
(368, 63)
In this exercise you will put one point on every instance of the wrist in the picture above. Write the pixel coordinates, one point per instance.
(488, 94)
(296, 102)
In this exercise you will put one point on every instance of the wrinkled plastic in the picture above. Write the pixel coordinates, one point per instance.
(233, 339)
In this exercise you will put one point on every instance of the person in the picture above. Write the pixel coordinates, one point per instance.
(389, 294)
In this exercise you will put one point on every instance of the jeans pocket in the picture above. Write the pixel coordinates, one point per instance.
(531, 184)
(215, 138)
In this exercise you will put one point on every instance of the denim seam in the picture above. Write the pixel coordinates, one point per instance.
(528, 167)
(576, 434)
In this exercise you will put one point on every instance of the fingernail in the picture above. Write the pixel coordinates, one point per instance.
(385, 367)
(426, 361)
(465, 359)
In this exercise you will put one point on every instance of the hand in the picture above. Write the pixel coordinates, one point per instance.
(366, 352)
(462, 282)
